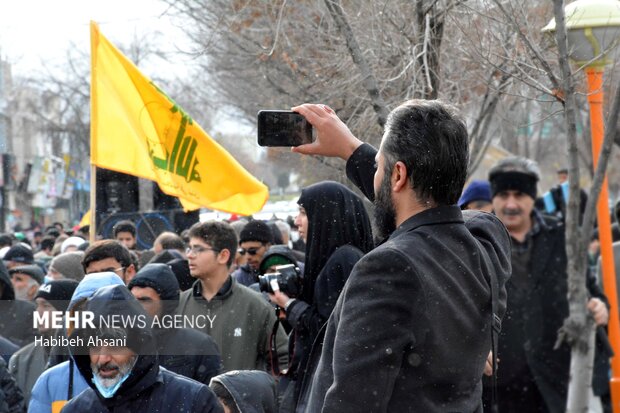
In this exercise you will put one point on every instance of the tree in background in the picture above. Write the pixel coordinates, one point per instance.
(365, 57)
(362, 58)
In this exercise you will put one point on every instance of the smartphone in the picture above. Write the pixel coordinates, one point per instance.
(283, 128)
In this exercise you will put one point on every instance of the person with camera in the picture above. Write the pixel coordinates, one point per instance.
(336, 228)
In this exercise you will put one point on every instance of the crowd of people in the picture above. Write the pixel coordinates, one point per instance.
(450, 300)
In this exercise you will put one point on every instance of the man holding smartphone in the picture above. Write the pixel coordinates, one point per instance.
(412, 327)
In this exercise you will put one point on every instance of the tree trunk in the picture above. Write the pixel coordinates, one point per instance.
(581, 367)
(578, 328)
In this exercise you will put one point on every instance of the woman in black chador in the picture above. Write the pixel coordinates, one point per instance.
(336, 228)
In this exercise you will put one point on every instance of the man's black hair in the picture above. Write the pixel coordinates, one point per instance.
(124, 226)
(185, 236)
(52, 231)
(107, 248)
(135, 260)
(218, 234)
(47, 242)
(430, 138)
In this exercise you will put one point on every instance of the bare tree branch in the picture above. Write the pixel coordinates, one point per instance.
(369, 81)
(533, 50)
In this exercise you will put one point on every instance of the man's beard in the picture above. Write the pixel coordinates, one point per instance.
(21, 293)
(122, 371)
(384, 211)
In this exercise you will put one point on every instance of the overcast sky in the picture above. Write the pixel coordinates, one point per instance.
(32, 31)
(36, 31)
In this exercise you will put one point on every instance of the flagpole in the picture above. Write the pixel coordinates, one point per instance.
(93, 204)
(94, 40)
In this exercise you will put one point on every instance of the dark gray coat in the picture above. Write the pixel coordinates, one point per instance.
(411, 329)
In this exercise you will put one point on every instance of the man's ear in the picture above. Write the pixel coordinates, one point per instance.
(33, 290)
(399, 177)
(129, 273)
(223, 256)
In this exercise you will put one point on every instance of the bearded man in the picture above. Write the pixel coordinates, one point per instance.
(411, 330)
(122, 369)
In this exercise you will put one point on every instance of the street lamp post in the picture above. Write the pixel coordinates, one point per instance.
(593, 29)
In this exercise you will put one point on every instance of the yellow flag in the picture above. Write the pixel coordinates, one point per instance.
(85, 219)
(138, 130)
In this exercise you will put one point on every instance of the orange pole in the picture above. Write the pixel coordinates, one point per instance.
(595, 99)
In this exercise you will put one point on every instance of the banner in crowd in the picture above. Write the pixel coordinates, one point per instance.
(138, 130)
(46, 179)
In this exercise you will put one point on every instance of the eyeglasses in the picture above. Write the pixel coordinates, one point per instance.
(197, 249)
(119, 269)
(251, 251)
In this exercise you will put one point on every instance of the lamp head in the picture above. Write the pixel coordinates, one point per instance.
(593, 28)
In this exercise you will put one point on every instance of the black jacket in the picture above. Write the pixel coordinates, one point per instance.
(16, 320)
(11, 398)
(184, 351)
(411, 329)
(338, 235)
(149, 388)
(308, 319)
(7, 349)
(542, 315)
(188, 352)
(253, 391)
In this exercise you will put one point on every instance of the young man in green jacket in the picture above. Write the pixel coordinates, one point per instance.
(240, 320)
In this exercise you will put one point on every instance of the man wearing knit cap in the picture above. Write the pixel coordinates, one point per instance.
(67, 265)
(254, 240)
(26, 280)
(18, 254)
(28, 363)
(532, 376)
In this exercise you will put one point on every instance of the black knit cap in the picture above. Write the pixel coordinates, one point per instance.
(58, 292)
(515, 181)
(158, 277)
(256, 231)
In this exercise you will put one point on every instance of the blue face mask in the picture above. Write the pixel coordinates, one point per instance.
(108, 392)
